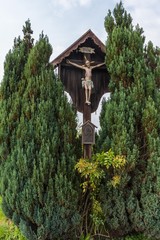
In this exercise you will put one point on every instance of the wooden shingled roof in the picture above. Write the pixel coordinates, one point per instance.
(75, 45)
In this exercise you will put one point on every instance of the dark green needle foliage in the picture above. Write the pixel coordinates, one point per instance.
(130, 125)
(37, 152)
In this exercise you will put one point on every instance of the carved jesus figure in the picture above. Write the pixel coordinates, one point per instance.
(87, 82)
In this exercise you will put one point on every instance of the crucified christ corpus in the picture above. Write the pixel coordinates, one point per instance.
(87, 82)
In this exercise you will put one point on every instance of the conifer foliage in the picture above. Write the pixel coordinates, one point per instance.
(37, 153)
(130, 125)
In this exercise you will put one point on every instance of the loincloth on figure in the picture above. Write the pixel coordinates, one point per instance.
(87, 83)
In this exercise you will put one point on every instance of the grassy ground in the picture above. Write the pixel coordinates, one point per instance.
(8, 231)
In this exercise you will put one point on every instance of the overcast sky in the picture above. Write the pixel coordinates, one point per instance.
(64, 21)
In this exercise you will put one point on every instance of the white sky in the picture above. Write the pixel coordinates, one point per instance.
(64, 21)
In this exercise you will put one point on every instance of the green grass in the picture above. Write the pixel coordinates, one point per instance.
(8, 231)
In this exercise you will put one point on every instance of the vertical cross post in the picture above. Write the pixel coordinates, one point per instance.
(87, 153)
(87, 51)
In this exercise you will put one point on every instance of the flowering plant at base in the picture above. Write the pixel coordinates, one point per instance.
(93, 171)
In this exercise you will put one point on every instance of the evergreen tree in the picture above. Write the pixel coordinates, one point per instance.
(130, 125)
(37, 134)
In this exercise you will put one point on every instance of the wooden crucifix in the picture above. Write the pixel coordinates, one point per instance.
(87, 82)
(84, 75)
(88, 85)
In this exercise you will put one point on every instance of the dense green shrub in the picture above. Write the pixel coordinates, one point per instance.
(37, 153)
(130, 125)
